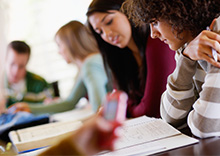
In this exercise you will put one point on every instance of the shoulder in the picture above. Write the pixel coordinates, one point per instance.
(34, 76)
(93, 65)
(93, 61)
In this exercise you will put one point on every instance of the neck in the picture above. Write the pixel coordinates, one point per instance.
(133, 47)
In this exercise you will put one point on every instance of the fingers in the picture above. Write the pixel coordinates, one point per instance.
(200, 48)
(100, 111)
(104, 125)
(211, 39)
(211, 60)
(19, 107)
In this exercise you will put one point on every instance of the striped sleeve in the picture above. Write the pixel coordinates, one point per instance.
(204, 119)
(177, 101)
(178, 98)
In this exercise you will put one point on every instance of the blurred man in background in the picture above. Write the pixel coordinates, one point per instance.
(20, 84)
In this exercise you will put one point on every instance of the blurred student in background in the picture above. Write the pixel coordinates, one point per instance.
(20, 84)
(77, 45)
(192, 94)
(139, 65)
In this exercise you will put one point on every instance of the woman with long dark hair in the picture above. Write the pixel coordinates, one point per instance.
(138, 65)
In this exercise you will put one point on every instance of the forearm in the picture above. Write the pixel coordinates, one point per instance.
(51, 108)
(179, 97)
(69, 103)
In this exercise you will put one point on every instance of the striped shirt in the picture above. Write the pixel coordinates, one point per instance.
(193, 97)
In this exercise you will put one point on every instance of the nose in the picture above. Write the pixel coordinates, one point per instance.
(153, 32)
(59, 52)
(107, 34)
(15, 70)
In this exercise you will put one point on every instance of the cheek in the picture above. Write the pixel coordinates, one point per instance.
(22, 71)
(63, 52)
(127, 32)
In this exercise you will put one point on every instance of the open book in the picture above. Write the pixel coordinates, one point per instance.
(43, 135)
(145, 136)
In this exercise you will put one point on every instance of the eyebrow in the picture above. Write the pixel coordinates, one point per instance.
(104, 18)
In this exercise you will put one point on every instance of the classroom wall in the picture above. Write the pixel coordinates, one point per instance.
(3, 43)
(36, 22)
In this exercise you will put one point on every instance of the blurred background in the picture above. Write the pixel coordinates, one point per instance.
(36, 22)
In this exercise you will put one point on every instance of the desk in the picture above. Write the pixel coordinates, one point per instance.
(209, 146)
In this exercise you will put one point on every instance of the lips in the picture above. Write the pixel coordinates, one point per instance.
(115, 39)
(164, 40)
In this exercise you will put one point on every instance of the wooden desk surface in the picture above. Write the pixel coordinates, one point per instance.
(209, 146)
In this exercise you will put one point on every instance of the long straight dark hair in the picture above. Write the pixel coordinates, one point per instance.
(121, 62)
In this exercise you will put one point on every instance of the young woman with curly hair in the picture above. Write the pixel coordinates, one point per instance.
(139, 65)
(193, 88)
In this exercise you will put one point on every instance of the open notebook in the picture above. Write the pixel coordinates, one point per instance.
(146, 136)
(43, 135)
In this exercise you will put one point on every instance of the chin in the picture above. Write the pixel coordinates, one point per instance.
(173, 48)
(121, 46)
(14, 81)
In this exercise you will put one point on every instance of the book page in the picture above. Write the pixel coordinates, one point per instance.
(145, 136)
(79, 114)
(153, 147)
(142, 130)
(46, 131)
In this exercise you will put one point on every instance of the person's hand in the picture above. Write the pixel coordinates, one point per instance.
(20, 106)
(49, 101)
(2, 106)
(96, 135)
(200, 48)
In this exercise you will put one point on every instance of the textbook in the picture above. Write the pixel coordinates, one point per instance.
(36, 137)
(147, 136)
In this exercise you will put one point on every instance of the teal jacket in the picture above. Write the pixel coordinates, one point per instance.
(92, 82)
(37, 89)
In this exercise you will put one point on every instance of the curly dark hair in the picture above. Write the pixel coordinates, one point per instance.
(192, 15)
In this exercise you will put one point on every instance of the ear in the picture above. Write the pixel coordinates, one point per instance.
(212, 24)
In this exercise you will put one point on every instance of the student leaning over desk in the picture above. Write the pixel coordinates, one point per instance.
(77, 45)
(193, 88)
(139, 65)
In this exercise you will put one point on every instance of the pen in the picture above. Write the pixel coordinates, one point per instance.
(2, 149)
(214, 52)
(31, 150)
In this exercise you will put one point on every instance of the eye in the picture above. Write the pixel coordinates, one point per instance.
(154, 22)
(99, 31)
(109, 22)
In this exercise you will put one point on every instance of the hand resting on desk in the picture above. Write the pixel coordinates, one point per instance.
(20, 106)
